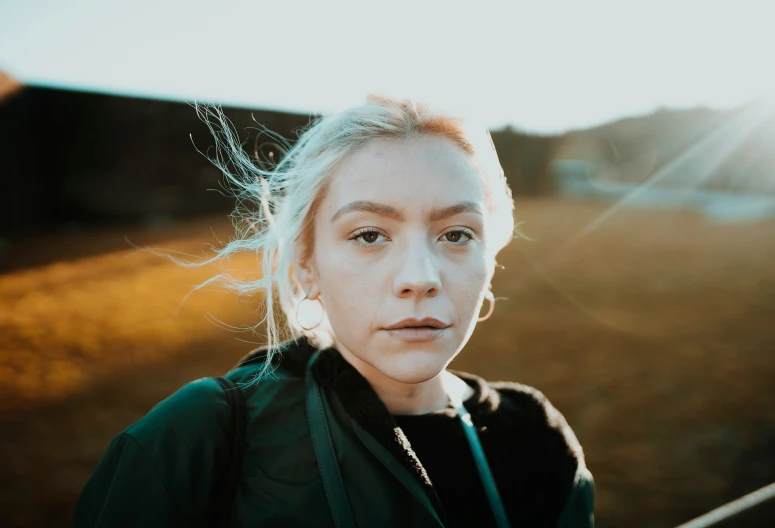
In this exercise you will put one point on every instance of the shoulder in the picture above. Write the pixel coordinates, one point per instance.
(159, 470)
(557, 467)
(185, 439)
(197, 416)
(199, 411)
(550, 446)
(531, 407)
(533, 435)
(524, 411)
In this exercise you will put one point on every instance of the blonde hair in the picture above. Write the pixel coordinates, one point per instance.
(288, 191)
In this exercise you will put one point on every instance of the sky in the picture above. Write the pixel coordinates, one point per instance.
(542, 67)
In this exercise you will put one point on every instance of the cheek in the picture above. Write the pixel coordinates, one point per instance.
(470, 286)
(339, 271)
(349, 290)
(474, 272)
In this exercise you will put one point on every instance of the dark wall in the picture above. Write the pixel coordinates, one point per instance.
(84, 158)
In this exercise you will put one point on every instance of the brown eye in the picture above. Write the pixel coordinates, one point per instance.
(370, 236)
(367, 238)
(454, 237)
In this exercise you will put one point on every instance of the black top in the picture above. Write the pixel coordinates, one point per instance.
(439, 441)
(533, 454)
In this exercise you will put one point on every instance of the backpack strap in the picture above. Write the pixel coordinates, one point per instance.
(328, 464)
(225, 491)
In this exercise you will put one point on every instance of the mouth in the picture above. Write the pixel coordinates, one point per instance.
(417, 334)
(415, 323)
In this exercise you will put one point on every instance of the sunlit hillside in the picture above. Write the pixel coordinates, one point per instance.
(699, 148)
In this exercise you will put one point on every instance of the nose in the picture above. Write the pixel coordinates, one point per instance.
(418, 272)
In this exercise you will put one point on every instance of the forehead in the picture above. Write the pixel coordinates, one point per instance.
(409, 173)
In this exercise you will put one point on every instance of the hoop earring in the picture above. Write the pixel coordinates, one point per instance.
(491, 299)
(298, 321)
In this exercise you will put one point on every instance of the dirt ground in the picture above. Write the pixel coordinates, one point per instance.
(652, 331)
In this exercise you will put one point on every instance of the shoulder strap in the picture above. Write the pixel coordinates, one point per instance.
(328, 464)
(226, 491)
(498, 511)
(485, 475)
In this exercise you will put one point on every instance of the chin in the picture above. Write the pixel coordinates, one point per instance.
(413, 367)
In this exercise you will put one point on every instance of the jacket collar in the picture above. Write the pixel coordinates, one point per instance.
(333, 373)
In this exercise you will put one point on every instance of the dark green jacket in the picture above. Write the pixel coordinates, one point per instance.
(164, 470)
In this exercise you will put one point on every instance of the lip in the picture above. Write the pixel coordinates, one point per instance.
(415, 334)
(410, 322)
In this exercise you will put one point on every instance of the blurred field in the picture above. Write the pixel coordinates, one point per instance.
(653, 333)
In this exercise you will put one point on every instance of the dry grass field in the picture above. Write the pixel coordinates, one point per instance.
(652, 331)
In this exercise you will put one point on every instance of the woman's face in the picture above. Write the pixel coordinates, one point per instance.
(401, 233)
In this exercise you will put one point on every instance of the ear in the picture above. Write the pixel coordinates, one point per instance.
(305, 273)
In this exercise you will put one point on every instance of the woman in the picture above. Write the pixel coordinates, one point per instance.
(379, 230)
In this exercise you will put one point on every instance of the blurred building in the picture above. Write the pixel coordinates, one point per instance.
(76, 159)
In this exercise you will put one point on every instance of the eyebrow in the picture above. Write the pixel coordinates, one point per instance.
(392, 212)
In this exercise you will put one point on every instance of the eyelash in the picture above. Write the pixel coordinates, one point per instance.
(471, 236)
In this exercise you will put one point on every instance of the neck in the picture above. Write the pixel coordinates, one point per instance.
(412, 398)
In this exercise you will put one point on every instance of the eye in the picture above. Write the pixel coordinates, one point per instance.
(457, 234)
(369, 237)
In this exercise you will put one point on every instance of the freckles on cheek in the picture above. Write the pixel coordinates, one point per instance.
(341, 270)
